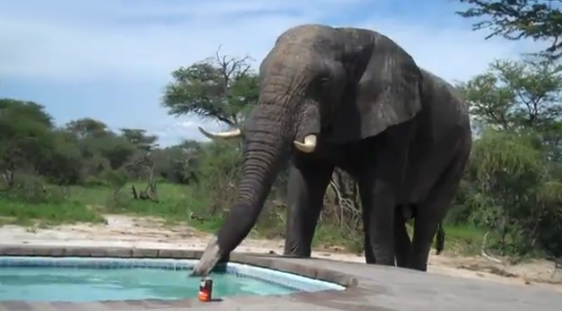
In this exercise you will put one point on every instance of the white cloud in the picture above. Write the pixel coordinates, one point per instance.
(144, 40)
(63, 41)
(172, 133)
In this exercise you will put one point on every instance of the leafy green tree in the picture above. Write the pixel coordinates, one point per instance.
(25, 136)
(87, 127)
(139, 138)
(63, 164)
(513, 177)
(516, 19)
(220, 165)
(116, 149)
(221, 88)
(517, 95)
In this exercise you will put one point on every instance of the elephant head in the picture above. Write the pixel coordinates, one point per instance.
(318, 84)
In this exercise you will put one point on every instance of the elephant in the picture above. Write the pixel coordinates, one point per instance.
(403, 243)
(350, 98)
(440, 239)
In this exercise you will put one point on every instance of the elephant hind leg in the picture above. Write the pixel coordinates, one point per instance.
(440, 239)
(430, 213)
(402, 243)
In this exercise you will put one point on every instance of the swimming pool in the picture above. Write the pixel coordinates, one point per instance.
(78, 279)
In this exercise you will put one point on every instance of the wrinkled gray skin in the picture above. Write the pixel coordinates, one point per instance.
(354, 99)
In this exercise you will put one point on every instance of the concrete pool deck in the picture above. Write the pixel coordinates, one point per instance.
(369, 287)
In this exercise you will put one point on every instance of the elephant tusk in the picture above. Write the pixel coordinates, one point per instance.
(309, 144)
(222, 135)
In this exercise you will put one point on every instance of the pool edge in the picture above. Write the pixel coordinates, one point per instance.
(268, 261)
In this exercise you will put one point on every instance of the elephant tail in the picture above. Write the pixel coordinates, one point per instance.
(440, 240)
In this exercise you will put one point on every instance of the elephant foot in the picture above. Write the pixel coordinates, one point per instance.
(369, 256)
(297, 254)
(418, 268)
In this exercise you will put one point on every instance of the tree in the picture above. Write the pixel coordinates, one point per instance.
(517, 95)
(117, 150)
(515, 181)
(25, 136)
(222, 88)
(139, 138)
(179, 163)
(63, 163)
(516, 19)
(87, 127)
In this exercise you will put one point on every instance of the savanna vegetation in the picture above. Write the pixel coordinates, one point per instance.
(510, 196)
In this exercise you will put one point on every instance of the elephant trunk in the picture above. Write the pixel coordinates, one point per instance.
(268, 141)
(258, 173)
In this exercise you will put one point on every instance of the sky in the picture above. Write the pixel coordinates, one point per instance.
(111, 59)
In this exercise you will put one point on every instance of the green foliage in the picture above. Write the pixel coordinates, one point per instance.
(516, 95)
(30, 199)
(512, 183)
(222, 88)
(517, 19)
(139, 138)
(116, 178)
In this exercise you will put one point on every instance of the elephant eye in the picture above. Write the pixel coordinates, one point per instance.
(322, 83)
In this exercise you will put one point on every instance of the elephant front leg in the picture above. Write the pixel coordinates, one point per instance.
(369, 254)
(308, 180)
(402, 243)
(378, 207)
(379, 182)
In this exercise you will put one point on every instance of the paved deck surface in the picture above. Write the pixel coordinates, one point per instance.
(369, 288)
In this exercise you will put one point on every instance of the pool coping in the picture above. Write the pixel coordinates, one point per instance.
(269, 261)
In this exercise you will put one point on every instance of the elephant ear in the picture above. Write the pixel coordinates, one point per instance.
(385, 91)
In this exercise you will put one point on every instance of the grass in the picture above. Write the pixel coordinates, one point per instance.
(176, 201)
(49, 213)
(88, 204)
(463, 239)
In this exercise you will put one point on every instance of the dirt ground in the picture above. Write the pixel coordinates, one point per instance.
(152, 233)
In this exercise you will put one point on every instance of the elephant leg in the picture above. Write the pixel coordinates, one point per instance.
(369, 254)
(380, 178)
(365, 217)
(380, 223)
(440, 239)
(431, 213)
(308, 180)
(402, 242)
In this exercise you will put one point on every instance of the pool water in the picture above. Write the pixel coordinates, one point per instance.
(68, 284)
(91, 279)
